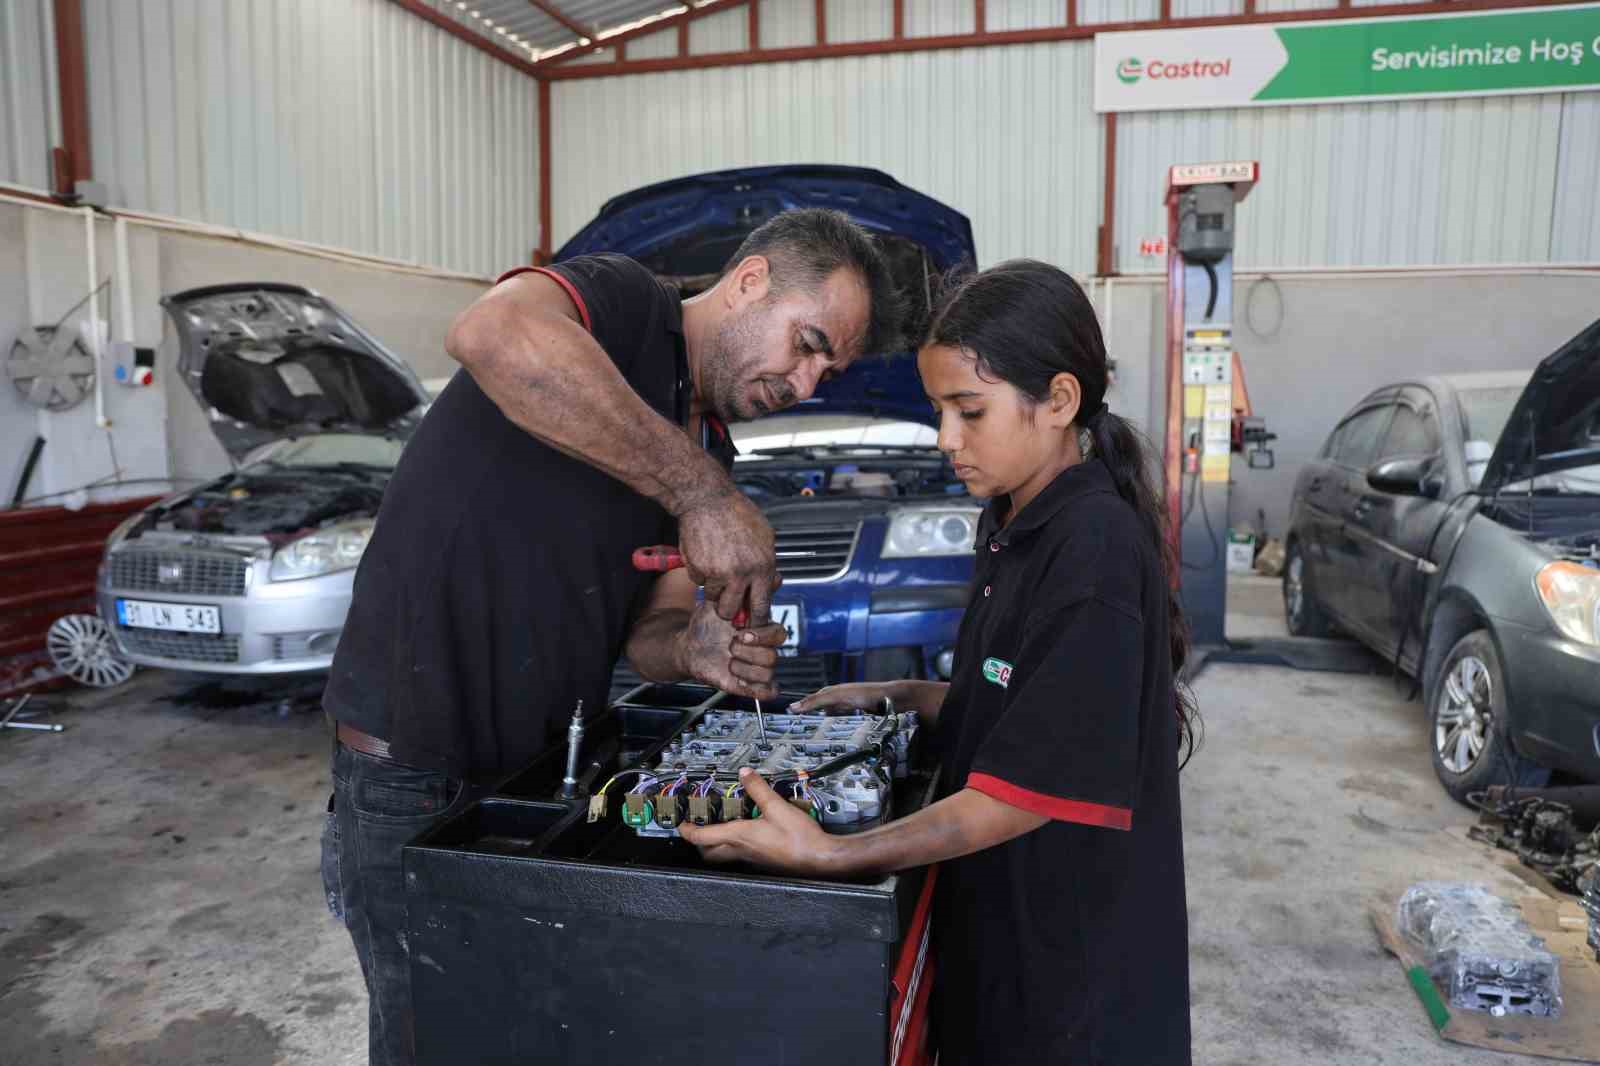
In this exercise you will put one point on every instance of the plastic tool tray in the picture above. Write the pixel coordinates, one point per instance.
(539, 935)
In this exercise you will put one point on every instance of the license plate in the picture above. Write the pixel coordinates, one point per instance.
(178, 617)
(787, 615)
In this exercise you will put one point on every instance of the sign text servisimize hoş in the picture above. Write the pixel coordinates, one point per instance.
(1527, 50)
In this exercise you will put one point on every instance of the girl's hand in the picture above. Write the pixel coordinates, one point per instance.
(784, 838)
(846, 697)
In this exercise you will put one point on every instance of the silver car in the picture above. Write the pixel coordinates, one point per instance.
(251, 573)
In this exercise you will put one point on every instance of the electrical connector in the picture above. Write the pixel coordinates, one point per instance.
(804, 805)
(597, 806)
(669, 811)
(733, 809)
(637, 810)
(703, 810)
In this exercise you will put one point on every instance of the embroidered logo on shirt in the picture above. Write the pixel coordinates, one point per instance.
(998, 671)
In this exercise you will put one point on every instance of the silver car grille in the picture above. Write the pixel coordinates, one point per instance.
(815, 553)
(183, 573)
(189, 647)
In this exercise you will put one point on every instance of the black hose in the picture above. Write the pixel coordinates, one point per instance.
(1211, 275)
(28, 466)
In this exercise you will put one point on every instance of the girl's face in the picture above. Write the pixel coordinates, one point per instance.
(998, 442)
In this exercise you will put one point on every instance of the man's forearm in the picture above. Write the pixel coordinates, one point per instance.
(654, 645)
(550, 377)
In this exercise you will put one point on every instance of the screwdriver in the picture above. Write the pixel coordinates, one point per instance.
(660, 558)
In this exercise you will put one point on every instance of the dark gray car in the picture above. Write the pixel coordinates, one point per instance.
(1452, 524)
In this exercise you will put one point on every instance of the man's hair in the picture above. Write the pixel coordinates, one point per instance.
(805, 246)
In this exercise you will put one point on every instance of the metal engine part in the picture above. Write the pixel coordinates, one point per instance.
(1479, 947)
(854, 797)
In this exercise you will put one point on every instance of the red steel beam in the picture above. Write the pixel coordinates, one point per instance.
(1166, 11)
(822, 22)
(980, 16)
(455, 29)
(711, 7)
(1249, 6)
(1008, 37)
(1108, 212)
(900, 18)
(1072, 12)
(544, 171)
(563, 18)
(73, 81)
(753, 28)
(683, 38)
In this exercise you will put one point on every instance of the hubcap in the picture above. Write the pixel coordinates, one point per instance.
(82, 648)
(1294, 590)
(1465, 715)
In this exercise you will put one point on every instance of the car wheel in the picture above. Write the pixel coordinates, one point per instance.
(1301, 610)
(1467, 727)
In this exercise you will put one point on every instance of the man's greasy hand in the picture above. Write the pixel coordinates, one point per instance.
(735, 660)
(783, 838)
(728, 547)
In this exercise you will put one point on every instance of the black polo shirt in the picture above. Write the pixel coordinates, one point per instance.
(1068, 944)
(498, 587)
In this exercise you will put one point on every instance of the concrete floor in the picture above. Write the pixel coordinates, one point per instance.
(160, 902)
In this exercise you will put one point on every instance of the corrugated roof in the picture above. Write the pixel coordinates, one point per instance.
(521, 27)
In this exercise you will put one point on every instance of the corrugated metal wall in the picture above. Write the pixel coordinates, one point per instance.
(1008, 136)
(1003, 134)
(30, 120)
(1437, 181)
(343, 122)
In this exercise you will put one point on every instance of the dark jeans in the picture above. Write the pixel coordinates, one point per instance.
(377, 808)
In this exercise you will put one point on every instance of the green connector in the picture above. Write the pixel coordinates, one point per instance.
(637, 810)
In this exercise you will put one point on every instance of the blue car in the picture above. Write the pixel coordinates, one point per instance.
(874, 533)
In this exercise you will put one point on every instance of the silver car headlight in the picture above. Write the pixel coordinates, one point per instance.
(919, 533)
(1571, 593)
(327, 550)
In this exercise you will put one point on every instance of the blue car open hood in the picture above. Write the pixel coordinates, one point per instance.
(691, 226)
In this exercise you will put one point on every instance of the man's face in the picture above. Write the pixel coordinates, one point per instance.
(772, 349)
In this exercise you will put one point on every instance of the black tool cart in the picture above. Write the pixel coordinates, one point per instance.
(538, 935)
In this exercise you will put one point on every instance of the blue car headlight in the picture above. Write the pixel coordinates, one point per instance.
(923, 532)
(334, 548)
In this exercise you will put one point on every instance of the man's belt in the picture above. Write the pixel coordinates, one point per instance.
(365, 743)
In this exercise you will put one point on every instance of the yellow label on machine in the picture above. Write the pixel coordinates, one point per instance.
(1214, 468)
(1194, 401)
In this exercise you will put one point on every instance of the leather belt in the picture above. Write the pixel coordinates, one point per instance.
(365, 743)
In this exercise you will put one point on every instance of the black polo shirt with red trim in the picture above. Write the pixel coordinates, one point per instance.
(498, 587)
(1068, 944)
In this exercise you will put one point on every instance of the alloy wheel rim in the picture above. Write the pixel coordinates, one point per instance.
(1294, 588)
(81, 647)
(1465, 714)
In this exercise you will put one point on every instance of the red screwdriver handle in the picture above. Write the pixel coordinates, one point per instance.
(660, 558)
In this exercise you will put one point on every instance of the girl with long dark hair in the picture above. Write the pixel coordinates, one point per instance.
(1059, 920)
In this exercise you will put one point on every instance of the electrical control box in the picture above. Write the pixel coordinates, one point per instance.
(1205, 222)
(544, 928)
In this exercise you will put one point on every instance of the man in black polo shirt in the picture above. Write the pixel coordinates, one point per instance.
(497, 589)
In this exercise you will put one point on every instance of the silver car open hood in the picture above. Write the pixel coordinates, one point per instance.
(267, 361)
